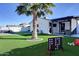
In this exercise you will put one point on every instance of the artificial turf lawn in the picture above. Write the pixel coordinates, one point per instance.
(16, 45)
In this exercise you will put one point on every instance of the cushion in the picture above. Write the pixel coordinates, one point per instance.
(76, 42)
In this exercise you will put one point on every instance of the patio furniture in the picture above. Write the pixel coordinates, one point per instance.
(76, 42)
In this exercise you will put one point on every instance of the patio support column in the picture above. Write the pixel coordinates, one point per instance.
(70, 27)
(52, 27)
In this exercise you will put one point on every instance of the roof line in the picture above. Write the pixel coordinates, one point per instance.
(67, 17)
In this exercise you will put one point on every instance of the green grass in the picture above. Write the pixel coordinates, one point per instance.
(17, 45)
(12, 36)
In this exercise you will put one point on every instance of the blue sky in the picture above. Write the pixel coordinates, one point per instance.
(9, 16)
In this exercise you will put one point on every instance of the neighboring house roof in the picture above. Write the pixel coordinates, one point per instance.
(12, 25)
(66, 18)
(24, 24)
(20, 25)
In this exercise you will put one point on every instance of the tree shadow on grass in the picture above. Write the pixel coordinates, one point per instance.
(35, 50)
(24, 34)
(30, 34)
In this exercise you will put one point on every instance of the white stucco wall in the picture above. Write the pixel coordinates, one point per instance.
(73, 24)
(56, 29)
(3, 28)
(25, 29)
(15, 29)
(19, 29)
(67, 25)
(78, 27)
(31, 26)
(43, 26)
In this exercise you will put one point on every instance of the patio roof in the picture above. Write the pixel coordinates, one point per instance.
(66, 18)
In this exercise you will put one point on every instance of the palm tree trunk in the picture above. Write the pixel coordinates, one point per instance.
(34, 33)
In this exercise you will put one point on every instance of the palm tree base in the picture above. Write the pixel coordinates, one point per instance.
(38, 39)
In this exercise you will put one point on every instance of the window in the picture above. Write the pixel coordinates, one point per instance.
(28, 30)
(50, 24)
(37, 25)
(37, 30)
(54, 25)
(50, 30)
(62, 27)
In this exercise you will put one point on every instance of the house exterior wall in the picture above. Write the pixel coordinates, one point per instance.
(73, 25)
(67, 25)
(19, 29)
(43, 26)
(25, 29)
(31, 26)
(78, 27)
(3, 28)
(15, 29)
(55, 29)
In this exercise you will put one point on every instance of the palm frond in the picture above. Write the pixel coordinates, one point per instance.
(40, 8)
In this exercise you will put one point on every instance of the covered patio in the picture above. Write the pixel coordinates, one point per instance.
(64, 26)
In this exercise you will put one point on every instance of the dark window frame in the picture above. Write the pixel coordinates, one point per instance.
(54, 25)
(50, 24)
(37, 25)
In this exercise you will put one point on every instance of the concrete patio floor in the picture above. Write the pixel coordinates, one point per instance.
(75, 35)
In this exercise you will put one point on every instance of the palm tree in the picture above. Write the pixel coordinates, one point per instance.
(36, 10)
